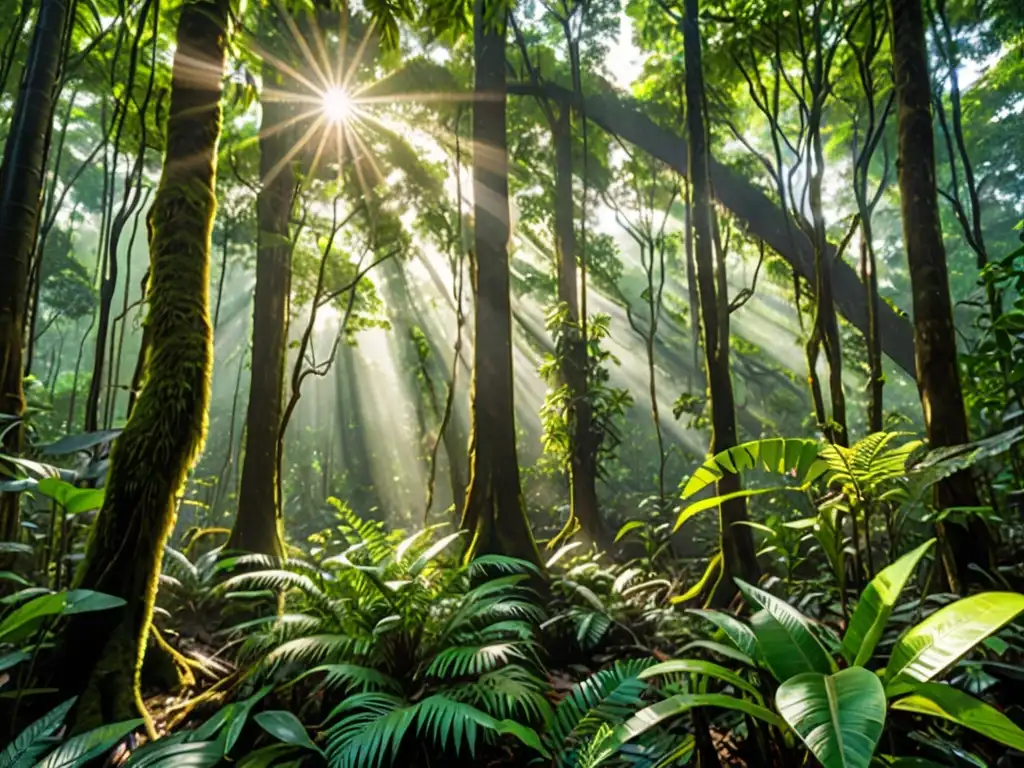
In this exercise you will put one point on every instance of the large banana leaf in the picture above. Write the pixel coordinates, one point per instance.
(786, 641)
(839, 717)
(963, 709)
(875, 606)
(940, 641)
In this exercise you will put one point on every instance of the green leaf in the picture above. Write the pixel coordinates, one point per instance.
(722, 650)
(700, 667)
(952, 704)
(713, 502)
(875, 606)
(787, 643)
(941, 640)
(628, 528)
(738, 633)
(87, 601)
(777, 455)
(82, 748)
(74, 500)
(39, 730)
(20, 623)
(839, 717)
(649, 717)
(286, 727)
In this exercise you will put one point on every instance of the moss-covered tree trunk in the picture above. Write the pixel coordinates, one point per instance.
(100, 656)
(257, 525)
(495, 512)
(737, 544)
(583, 502)
(21, 184)
(938, 378)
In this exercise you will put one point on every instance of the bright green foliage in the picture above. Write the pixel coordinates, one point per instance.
(937, 700)
(941, 640)
(839, 717)
(415, 639)
(876, 604)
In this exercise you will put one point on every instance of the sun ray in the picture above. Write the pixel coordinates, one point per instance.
(296, 148)
(289, 97)
(319, 151)
(358, 57)
(325, 61)
(283, 66)
(300, 40)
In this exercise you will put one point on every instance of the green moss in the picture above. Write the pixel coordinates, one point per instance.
(102, 653)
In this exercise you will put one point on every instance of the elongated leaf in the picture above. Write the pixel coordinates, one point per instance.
(787, 643)
(81, 442)
(875, 606)
(285, 727)
(940, 641)
(700, 667)
(839, 717)
(40, 729)
(86, 601)
(78, 750)
(952, 704)
(722, 650)
(12, 659)
(649, 717)
(19, 623)
(713, 502)
(738, 633)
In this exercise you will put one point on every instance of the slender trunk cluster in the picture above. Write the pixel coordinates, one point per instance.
(21, 187)
(938, 378)
(737, 545)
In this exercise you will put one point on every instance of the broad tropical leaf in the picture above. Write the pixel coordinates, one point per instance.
(945, 701)
(787, 643)
(80, 749)
(839, 717)
(940, 641)
(876, 604)
(738, 633)
(31, 739)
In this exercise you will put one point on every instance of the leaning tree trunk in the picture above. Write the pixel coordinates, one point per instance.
(938, 379)
(257, 525)
(583, 503)
(101, 654)
(495, 512)
(21, 185)
(738, 557)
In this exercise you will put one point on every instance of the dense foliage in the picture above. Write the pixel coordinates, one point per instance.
(575, 383)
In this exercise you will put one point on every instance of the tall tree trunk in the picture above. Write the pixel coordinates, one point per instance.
(257, 525)
(737, 544)
(583, 503)
(100, 656)
(495, 512)
(938, 378)
(21, 185)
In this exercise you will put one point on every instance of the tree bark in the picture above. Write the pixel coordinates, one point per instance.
(583, 502)
(495, 511)
(257, 525)
(938, 378)
(736, 541)
(21, 185)
(100, 654)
